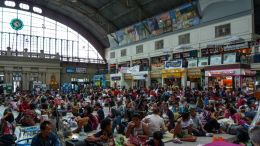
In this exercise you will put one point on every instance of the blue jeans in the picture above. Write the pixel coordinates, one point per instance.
(116, 122)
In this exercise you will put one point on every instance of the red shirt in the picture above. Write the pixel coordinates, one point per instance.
(24, 106)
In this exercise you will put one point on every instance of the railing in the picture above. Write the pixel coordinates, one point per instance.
(51, 56)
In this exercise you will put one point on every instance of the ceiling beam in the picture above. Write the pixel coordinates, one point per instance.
(106, 5)
(95, 16)
(123, 14)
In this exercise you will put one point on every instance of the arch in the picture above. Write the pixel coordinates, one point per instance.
(77, 27)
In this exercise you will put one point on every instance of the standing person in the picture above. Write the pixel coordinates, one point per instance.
(45, 137)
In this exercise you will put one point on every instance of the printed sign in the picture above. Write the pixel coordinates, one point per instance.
(215, 60)
(203, 61)
(173, 64)
(229, 58)
(70, 69)
(192, 63)
(81, 70)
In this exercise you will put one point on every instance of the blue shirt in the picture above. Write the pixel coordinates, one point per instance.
(52, 140)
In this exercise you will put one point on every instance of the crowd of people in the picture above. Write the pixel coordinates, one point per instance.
(141, 115)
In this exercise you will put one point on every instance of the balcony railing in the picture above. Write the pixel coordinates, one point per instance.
(50, 56)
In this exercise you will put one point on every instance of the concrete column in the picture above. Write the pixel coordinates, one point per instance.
(6, 77)
(28, 80)
(24, 80)
(10, 78)
(44, 78)
(184, 79)
(40, 76)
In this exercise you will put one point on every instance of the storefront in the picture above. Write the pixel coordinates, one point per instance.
(99, 80)
(195, 78)
(112, 68)
(116, 80)
(157, 64)
(141, 79)
(231, 79)
(174, 74)
(128, 80)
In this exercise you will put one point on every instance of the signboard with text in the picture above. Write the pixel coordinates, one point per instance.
(173, 64)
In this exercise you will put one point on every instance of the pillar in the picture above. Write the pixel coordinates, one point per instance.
(44, 78)
(24, 82)
(27, 80)
(6, 77)
(184, 79)
(10, 78)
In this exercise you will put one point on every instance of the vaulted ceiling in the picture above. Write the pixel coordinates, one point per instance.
(95, 19)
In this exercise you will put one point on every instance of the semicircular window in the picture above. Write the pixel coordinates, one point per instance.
(42, 34)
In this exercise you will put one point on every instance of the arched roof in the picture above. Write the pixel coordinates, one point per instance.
(95, 19)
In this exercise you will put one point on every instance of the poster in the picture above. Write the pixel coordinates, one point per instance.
(182, 17)
(203, 61)
(192, 63)
(141, 30)
(215, 60)
(229, 58)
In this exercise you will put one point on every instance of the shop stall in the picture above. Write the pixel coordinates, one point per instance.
(231, 78)
(157, 64)
(174, 74)
(116, 80)
(112, 68)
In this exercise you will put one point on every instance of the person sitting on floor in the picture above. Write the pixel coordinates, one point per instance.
(7, 135)
(137, 131)
(183, 129)
(103, 136)
(157, 139)
(46, 137)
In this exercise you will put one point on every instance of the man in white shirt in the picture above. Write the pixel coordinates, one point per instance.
(155, 122)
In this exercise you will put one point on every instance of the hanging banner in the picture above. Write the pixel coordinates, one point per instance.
(173, 64)
(123, 69)
(133, 69)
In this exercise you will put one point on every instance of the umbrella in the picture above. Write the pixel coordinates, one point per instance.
(221, 143)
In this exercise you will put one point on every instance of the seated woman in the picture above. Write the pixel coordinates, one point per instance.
(7, 135)
(183, 129)
(208, 121)
(103, 136)
(87, 121)
(137, 131)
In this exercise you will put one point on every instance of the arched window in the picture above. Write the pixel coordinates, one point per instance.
(42, 33)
